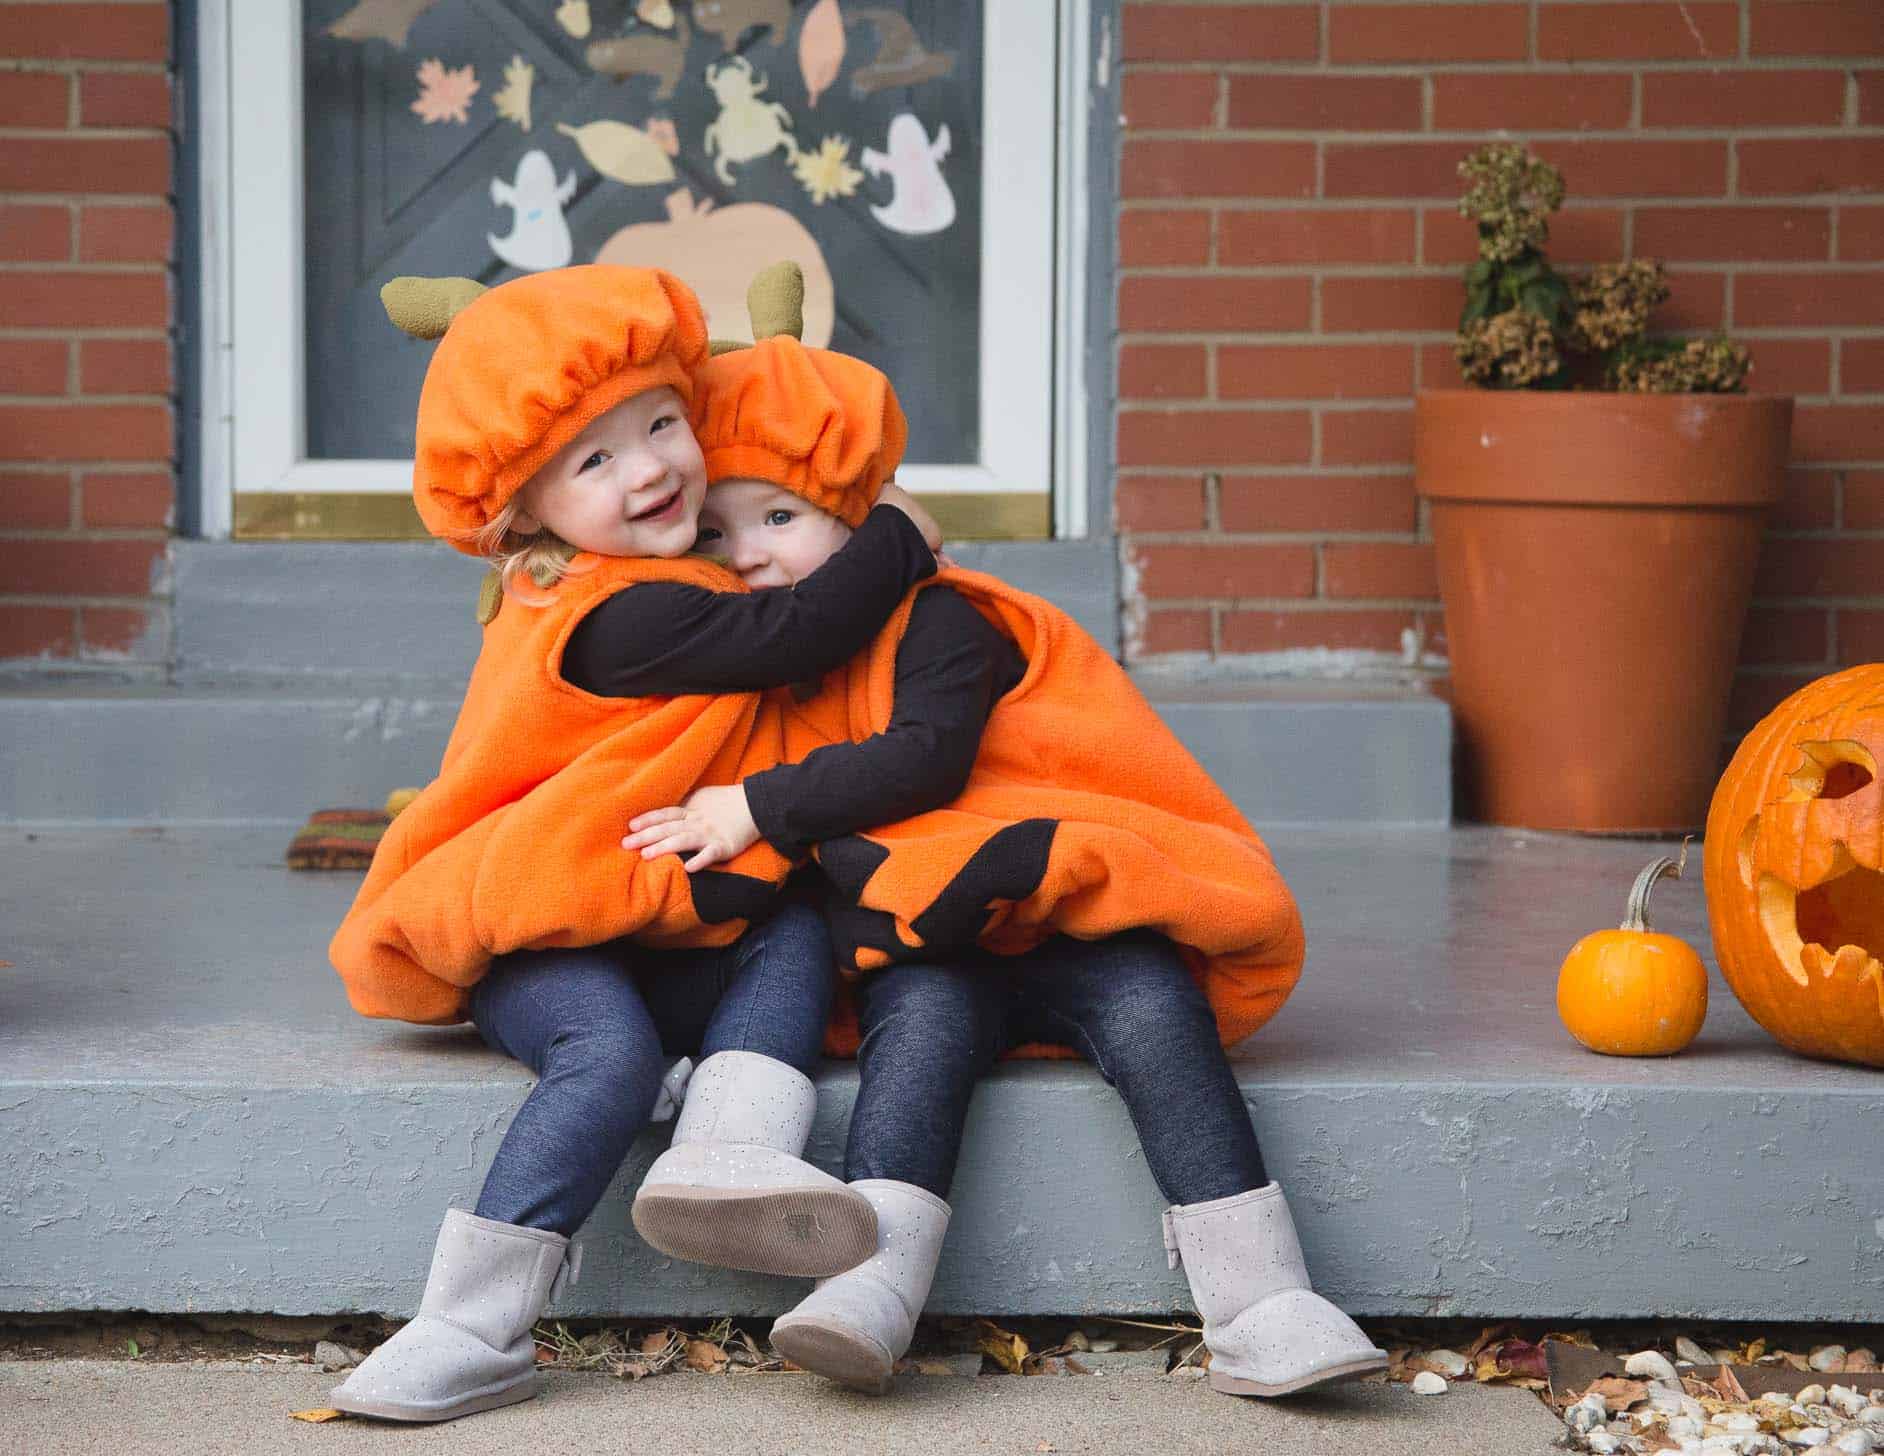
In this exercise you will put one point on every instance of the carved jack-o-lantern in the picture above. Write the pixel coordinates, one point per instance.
(1795, 869)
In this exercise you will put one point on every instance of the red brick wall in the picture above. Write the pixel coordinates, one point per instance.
(86, 480)
(1290, 256)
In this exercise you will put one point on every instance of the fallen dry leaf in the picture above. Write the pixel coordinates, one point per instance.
(1004, 1347)
(654, 1342)
(1730, 1387)
(705, 1356)
(1618, 1394)
(320, 1415)
(1512, 1362)
(1485, 1337)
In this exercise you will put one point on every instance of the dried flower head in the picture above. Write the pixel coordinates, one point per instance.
(1612, 304)
(1691, 366)
(1511, 195)
(1509, 350)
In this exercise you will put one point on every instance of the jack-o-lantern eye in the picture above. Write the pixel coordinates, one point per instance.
(1833, 768)
(1837, 925)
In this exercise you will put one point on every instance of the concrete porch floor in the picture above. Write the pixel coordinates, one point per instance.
(192, 1120)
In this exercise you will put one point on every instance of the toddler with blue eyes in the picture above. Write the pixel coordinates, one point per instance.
(1150, 976)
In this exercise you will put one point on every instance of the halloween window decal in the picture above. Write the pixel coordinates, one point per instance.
(486, 138)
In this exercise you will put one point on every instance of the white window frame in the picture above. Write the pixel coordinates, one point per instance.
(251, 238)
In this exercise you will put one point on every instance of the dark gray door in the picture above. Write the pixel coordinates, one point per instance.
(389, 192)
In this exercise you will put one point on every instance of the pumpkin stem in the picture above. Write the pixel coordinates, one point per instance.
(1636, 916)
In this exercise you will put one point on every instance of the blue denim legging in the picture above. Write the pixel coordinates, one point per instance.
(598, 1024)
(1128, 1004)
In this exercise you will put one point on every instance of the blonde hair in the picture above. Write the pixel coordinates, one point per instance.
(541, 556)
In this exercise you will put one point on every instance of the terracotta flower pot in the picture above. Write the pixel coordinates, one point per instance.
(1596, 552)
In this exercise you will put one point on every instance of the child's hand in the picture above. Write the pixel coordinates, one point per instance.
(714, 823)
(893, 494)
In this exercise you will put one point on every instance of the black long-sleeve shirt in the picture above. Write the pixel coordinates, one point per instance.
(664, 639)
(952, 667)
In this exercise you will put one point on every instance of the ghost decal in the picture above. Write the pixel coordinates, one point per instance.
(539, 235)
(922, 202)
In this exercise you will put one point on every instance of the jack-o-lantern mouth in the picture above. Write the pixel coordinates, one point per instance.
(1828, 922)
(1834, 929)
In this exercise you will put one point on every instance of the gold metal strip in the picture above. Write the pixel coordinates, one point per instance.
(377, 516)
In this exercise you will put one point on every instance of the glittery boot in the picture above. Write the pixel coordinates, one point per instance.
(855, 1327)
(1268, 1333)
(733, 1189)
(469, 1348)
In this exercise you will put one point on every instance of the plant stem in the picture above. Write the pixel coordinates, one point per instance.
(1636, 916)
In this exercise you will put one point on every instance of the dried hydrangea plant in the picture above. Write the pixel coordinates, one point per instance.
(1525, 327)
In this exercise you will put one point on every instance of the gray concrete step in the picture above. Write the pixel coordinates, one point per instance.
(191, 1118)
(246, 748)
(310, 675)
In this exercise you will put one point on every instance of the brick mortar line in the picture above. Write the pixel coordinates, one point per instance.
(1401, 136)
(1362, 472)
(1551, 68)
(85, 133)
(1303, 605)
(1273, 538)
(78, 396)
(81, 199)
(1432, 203)
(1750, 267)
(81, 65)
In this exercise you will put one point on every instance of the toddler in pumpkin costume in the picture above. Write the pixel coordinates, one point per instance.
(616, 671)
(1048, 817)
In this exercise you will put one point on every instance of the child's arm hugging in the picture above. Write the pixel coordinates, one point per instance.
(951, 669)
(667, 639)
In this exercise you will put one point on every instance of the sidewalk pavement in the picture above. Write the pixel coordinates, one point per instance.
(67, 1407)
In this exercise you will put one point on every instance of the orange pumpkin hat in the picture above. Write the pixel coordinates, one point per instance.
(824, 426)
(522, 368)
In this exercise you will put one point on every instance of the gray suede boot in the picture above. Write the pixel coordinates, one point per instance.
(1268, 1333)
(469, 1348)
(733, 1189)
(853, 1328)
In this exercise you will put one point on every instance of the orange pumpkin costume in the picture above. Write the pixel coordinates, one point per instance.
(1083, 815)
(517, 843)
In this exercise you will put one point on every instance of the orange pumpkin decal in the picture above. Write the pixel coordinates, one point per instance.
(1632, 992)
(1795, 869)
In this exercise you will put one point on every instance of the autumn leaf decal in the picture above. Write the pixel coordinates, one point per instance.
(444, 93)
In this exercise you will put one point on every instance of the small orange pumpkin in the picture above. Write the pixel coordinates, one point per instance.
(1795, 869)
(1634, 992)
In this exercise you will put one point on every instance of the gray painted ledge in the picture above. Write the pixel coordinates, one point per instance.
(191, 1119)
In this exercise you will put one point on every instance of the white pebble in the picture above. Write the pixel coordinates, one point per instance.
(1604, 1443)
(1846, 1401)
(1427, 1383)
(1652, 1365)
(1686, 1349)
(1855, 1442)
(1811, 1395)
(1737, 1421)
(1588, 1414)
(1449, 1363)
(1680, 1426)
(1805, 1437)
(1827, 1357)
(1872, 1415)
(1778, 1397)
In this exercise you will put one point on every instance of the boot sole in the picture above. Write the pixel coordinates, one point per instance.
(469, 1405)
(1238, 1385)
(835, 1351)
(809, 1232)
